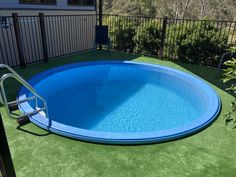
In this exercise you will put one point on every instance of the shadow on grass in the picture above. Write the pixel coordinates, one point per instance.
(32, 133)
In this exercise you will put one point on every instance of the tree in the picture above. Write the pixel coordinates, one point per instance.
(203, 6)
(180, 7)
(199, 9)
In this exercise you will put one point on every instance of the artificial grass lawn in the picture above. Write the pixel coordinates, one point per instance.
(37, 153)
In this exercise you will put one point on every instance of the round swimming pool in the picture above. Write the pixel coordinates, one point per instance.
(122, 102)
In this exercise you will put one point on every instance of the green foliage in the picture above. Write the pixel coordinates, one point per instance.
(148, 38)
(230, 76)
(122, 33)
(200, 42)
(215, 9)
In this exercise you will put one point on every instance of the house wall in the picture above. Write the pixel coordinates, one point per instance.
(7, 7)
(8, 12)
(64, 34)
(61, 5)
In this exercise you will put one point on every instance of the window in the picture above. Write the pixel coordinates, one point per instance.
(44, 2)
(81, 2)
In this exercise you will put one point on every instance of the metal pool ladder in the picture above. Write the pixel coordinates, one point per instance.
(10, 105)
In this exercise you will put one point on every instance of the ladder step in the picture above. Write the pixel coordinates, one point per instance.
(31, 113)
(21, 101)
(23, 120)
(13, 105)
(34, 112)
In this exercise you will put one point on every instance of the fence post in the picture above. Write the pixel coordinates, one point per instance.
(163, 36)
(43, 35)
(100, 17)
(18, 39)
(5, 155)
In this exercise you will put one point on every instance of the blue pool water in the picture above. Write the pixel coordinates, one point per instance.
(123, 102)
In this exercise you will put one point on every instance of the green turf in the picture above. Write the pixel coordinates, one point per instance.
(37, 153)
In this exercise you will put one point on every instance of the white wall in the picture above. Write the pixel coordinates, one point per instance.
(61, 5)
(30, 12)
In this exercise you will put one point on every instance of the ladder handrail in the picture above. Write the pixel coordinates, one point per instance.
(16, 76)
(221, 62)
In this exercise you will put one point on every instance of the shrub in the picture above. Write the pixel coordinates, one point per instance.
(200, 42)
(148, 38)
(230, 76)
(122, 34)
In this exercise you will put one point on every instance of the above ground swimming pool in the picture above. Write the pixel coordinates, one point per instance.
(121, 102)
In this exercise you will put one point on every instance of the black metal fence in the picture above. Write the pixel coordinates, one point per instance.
(197, 41)
(28, 39)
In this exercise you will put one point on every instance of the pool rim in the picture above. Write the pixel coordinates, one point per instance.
(121, 138)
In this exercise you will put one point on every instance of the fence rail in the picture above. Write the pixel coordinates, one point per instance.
(28, 39)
